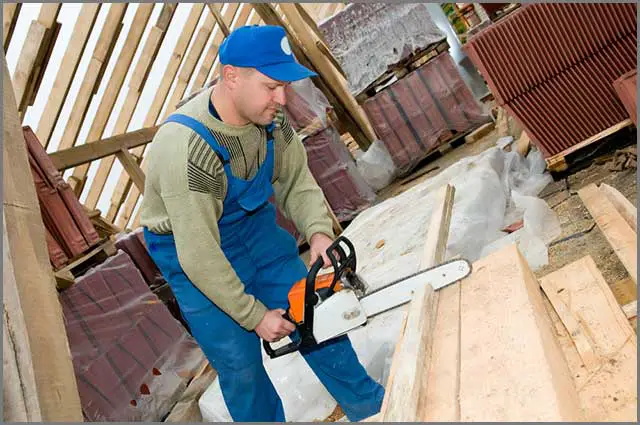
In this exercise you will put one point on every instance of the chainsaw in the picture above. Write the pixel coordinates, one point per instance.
(323, 307)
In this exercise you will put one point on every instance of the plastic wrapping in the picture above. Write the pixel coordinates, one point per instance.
(421, 111)
(131, 358)
(367, 38)
(626, 88)
(132, 244)
(329, 159)
(376, 166)
(491, 188)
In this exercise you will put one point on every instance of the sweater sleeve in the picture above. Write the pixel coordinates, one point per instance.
(296, 191)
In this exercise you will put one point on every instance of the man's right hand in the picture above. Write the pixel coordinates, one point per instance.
(273, 326)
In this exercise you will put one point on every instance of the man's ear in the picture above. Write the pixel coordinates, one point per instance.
(230, 74)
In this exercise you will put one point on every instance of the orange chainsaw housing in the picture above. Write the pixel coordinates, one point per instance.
(296, 295)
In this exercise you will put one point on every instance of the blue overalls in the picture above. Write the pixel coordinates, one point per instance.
(265, 258)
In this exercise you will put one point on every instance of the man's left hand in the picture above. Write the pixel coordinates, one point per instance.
(318, 246)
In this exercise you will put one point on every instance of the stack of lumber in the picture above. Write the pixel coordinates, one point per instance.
(132, 359)
(69, 231)
(502, 345)
(552, 67)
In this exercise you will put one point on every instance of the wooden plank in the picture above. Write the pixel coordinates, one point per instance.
(10, 13)
(25, 233)
(557, 162)
(110, 96)
(621, 237)
(67, 70)
(124, 183)
(187, 409)
(626, 209)
(131, 166)
(511, 366)
(631, 310)
(101, 55)
(27, 60)
(83, 154)
(189, 65)
(336, 82)
(214, 46)
(222, 24)
(49, 13)
(20, 394)
(610, 392)
(407, 381)
(136, 85)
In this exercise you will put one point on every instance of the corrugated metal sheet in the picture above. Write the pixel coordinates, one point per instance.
(552, 66)
(626, 88)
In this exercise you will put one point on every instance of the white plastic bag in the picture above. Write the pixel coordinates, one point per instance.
(376, 166)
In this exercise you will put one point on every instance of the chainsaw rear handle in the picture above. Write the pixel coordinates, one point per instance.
(342, 262)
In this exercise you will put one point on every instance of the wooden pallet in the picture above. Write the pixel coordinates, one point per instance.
(66, 276)
(559, 163)
(402, 68)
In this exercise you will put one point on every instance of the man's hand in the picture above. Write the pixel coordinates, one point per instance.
(273, 326)
(318, 246)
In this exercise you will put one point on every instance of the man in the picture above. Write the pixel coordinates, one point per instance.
(210, 227)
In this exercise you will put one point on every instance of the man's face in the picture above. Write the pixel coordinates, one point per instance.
(257, 97)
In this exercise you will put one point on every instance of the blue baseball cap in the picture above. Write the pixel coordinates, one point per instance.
(265, 48)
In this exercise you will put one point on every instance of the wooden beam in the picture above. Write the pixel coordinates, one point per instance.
(25, 233)
(626, 209)
(631, 310)
(620, 235)
(607, 393)
(20, 394)
(10, 12)
(412, 357)
(511, 366)
(110, 96)
(67, 70)
(334, 79)
(136, 85)
(222, 24)
(27, 60)
(93, 76)
(214, 46)
(171, 70)
(88, 152)
(131, 166)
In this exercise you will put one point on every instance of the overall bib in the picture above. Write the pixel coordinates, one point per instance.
(265, 258)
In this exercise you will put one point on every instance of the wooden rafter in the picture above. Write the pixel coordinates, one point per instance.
(68, 67)
(222, 24)
(93, 75)
(116, 80)
(10, 12)
(159, 99)
(136, 85)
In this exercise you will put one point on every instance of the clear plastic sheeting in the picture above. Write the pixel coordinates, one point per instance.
(367, 38)
(376, 166)
(425, 109)
(493, 190)
(132, 359)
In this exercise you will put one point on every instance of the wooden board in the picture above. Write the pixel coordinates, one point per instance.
(558, 162)
(626, 209)
(408, 381)
(93, 76)
(67, 70)
(116, 80)
(136, 85)
(187, 409)
(55, 378)
(27, 60)
(511, 366)
(608, 393)
(620, 235)
(20, 394)
(10, 13)
(132, 168)
(124, 183)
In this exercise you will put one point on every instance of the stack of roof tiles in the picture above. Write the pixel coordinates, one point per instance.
(626, 88)
(131, 358)
(552, 67)
(422, 110)
(69, 232)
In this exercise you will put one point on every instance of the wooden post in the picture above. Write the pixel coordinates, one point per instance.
(131, 166)
(25, 233)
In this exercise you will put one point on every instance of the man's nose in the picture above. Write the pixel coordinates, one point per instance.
(280, 97)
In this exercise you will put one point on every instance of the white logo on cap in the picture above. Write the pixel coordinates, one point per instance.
(284, 44)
